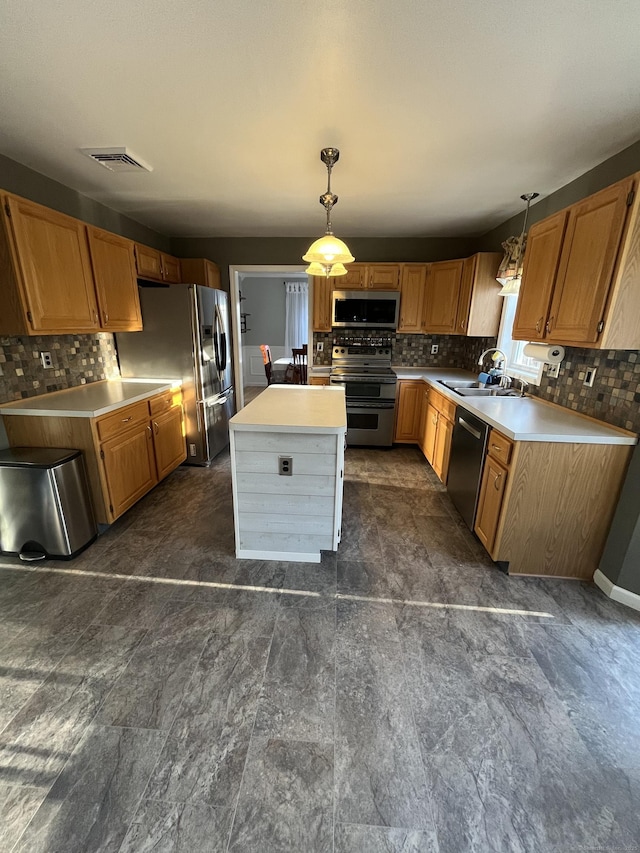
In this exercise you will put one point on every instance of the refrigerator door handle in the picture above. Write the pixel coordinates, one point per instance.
(220, 341)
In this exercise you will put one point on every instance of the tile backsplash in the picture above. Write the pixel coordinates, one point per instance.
(614, 397)
(76, 360)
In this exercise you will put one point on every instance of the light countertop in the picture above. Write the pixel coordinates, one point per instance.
(294, 408)
(526, 419)
(89, 401)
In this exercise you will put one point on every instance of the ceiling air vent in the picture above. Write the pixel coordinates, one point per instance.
(117, 159)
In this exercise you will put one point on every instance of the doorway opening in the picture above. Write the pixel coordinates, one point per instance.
(258, 293)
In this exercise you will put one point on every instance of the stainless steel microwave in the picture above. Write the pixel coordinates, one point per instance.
(364, 309)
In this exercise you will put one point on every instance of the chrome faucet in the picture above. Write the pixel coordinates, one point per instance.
(501, 364)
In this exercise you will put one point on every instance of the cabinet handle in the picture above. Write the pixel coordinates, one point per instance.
(434, 420)
(496, 482)
(549, 323)
(150, 433)
(539, 324)
(495, 447)
(126, 420)
(96, 318)
(157, 428)
(106, 318)
(462, 324)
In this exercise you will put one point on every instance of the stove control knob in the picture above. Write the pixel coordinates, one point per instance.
(342, 351)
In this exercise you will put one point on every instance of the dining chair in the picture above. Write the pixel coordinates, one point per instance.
(300, 365)
(273, 376)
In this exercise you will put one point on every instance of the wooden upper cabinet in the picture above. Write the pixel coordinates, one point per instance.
(148, 263)
(441, 297)
(479, 303)
(200, 271)
(51, 271)
(355, 279)
(170, 269)
(411, 297)
(580, 278)
(589, 251)
(383, 276)
(114, 273)
(542, 256)
(322, 290)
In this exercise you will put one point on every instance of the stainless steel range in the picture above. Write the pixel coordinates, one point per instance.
(362, 364)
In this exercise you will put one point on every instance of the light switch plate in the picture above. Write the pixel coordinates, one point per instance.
(319, 346)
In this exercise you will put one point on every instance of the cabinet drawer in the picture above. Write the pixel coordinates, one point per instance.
(446, 407)
(500, 447)
(161, 403)
(122, 420)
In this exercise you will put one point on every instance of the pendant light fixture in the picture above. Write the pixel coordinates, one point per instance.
(327, 270)
(510, 270)
(329, 251)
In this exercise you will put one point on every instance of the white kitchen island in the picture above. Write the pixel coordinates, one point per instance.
(287, 464)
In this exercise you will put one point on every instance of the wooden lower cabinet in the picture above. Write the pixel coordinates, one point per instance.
(129, 467)
(168, 441)
(319, 380)
(494, 479)
(126, 452)
(547, 512)
(408, 411)
(436, 429)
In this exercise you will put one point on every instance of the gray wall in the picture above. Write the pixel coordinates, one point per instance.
(265, 301)
(19, 179)
(614, 169)
(621, 558)
(289, 250)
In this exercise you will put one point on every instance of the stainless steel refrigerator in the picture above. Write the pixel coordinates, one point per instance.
(186, 337)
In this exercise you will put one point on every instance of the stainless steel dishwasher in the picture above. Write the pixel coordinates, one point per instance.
(468, 445)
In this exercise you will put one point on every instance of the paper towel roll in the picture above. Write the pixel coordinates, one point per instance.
(542, 352)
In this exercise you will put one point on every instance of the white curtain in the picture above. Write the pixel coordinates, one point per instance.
(296, 327)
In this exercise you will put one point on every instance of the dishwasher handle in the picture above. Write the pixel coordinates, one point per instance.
(474, 432)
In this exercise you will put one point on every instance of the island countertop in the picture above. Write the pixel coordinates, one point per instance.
(527, 419)
(88, 401)
(294, 408)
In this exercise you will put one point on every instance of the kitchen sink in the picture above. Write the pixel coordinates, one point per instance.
(470, 388)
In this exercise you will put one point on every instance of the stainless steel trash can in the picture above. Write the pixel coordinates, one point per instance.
(45, 505)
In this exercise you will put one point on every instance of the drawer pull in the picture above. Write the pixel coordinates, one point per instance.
(126, 420)
(496, 447)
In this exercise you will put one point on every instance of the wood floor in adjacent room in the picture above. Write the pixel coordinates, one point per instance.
(403, 696)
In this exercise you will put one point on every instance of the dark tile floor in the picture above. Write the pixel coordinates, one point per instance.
(403, 696)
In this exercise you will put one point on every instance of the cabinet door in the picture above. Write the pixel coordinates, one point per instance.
(114, 273)
(383, 277)
(129, 467)
(430, 430)
(212, 274)
(442, 448)
(589, 251)
(464, 298)
(408, 411)
(148, 263)
(355, 279)
(54, 265)
(169, 441)
(441, 297)
(322, 290)
(494, 479)
(170, 268)
(541, 259)
(411, 297)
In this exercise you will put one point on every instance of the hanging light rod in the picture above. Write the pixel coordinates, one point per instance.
(510, 272)
(328, 251)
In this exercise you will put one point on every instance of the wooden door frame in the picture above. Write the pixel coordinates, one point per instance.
(269, 271)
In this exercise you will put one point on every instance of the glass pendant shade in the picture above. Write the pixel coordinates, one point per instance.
(328, 250)
(330, 271)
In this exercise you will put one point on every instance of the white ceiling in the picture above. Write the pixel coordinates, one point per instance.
(444, 111)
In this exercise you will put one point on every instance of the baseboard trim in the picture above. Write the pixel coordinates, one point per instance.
(616, 593)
